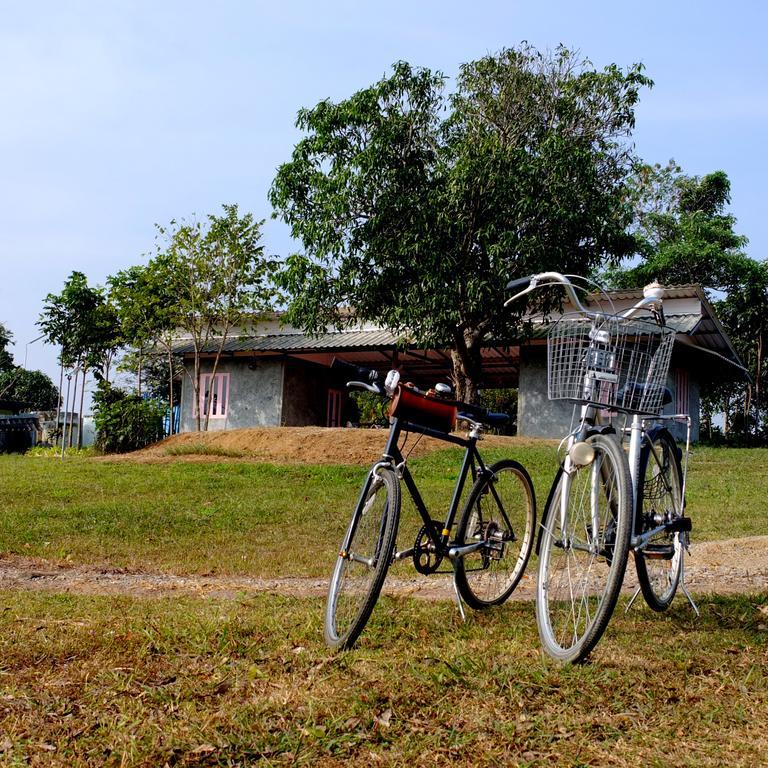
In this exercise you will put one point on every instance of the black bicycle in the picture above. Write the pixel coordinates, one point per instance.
(494, 534)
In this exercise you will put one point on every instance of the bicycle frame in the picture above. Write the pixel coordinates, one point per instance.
(472, 464)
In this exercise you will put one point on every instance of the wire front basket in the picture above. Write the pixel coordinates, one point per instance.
(610, 362)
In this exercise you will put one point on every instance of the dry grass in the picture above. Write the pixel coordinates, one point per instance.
(91, 681)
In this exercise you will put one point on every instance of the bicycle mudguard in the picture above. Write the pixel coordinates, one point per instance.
(657, 430)
(422, 410)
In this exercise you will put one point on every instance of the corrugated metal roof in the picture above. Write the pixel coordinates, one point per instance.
(701, 329)
(297, 342)
(687, 291)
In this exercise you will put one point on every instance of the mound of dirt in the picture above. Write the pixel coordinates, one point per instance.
(291, 445)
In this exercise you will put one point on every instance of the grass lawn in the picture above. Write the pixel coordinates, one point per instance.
(200, 682)
(264, 520)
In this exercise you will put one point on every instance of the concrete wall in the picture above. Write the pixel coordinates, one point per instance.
(255, 395)
(537, 415)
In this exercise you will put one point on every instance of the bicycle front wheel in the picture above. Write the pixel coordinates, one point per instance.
(659, 565)
(501, 513)
(583, 552)
(364, 559)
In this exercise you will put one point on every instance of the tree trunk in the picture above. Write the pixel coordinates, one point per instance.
(467, 365)
(196, 388)
(758, 384)
(213, 375)
(80, 412)
(57, 426)
(170, 391)
(72, 417)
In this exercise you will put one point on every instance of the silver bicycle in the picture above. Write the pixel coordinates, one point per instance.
(604, 501)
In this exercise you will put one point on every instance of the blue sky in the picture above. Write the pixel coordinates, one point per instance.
(119, 115)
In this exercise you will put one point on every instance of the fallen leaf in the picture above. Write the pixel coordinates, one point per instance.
(385, 718)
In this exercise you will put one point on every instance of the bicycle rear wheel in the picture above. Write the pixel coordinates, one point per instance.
(501, 512)
(581, 567)
(659, 565)
(364, 559)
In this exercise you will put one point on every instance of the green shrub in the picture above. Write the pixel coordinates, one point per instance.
(54, 452)
(502, 401)
(125, 422)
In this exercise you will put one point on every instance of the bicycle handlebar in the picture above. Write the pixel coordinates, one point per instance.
(370, 381)
(652, 294)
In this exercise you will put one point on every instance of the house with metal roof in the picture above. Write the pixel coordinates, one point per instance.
(275, 375)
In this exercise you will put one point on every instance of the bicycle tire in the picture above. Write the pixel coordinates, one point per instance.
(362, 566)
(579, 576)
(500, 509)
(659, 565)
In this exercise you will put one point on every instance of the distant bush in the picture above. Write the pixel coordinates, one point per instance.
(502, 401)
(125, 422)
(52, 452)
(366, 410)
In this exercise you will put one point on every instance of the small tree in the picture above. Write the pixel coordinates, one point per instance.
(683, 231)
(686, 235)
(415, 207)
(146, 310)
(219, 277)
(84, 325)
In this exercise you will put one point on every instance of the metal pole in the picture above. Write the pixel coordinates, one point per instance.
(58, 399)
(66, 408)
(26, 349)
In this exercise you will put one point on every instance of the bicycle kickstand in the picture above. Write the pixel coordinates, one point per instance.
(682, 582)
(632, 600)
(459, 601)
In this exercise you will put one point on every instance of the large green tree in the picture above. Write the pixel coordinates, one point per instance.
(415, 207)
(33, 388)
(686, 234)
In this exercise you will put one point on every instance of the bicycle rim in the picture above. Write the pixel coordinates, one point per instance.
(659, 565)
(501, 510)
(580, 569)
(360, 570)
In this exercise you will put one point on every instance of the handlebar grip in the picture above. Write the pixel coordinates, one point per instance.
(354, 371)
(475, 411)
(520, 284)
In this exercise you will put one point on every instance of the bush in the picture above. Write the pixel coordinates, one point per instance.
(125, 422)
(503, 401)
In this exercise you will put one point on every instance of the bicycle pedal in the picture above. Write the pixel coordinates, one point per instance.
(681, 525)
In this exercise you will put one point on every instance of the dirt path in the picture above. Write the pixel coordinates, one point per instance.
(722, 567)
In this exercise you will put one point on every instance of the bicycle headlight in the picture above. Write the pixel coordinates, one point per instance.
(581, 454)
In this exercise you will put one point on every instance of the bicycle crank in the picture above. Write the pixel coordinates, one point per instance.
(427, 551)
